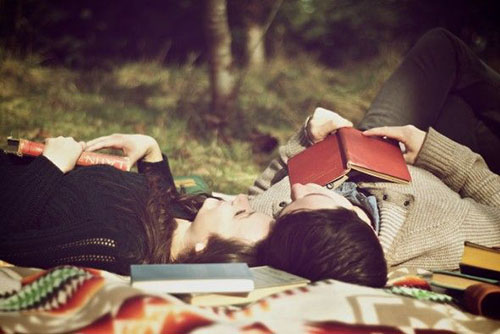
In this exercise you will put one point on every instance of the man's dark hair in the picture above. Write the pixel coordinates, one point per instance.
(321, 244)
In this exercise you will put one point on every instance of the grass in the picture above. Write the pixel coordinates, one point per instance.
(167, 102)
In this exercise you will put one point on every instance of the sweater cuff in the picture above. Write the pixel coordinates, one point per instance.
(143, 166)
(303, 137)
(441, 155)
(161, 168)
(297, 143)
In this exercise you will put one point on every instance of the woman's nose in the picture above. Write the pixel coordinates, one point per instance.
(241, 202)
(210, 203)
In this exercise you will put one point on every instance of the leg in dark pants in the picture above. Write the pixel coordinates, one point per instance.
(443, 84)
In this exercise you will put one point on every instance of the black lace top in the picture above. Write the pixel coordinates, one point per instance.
(87, 217)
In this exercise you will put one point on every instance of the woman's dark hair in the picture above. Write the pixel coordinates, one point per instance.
(321, 244)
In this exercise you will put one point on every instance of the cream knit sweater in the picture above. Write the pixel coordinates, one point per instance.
(452, 197)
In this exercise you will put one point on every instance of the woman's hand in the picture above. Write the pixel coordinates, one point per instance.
(63, 152)
(412, 137)
(135, 147)
(323, 122)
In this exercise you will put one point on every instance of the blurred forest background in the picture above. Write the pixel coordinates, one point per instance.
(217, 82)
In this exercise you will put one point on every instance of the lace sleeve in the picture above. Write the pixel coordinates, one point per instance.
(159, 170)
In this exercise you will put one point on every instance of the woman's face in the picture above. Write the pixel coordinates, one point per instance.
(235, 220)
(314, 197)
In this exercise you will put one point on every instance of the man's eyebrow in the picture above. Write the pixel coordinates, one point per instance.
(249, 214)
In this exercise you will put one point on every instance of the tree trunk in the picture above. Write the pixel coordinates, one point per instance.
(220, 58)
(255, 44)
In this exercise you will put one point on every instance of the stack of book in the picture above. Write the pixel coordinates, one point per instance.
(481, 261)
(477, 284)
(479, 264)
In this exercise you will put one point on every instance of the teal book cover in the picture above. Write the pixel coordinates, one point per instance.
(189, 278)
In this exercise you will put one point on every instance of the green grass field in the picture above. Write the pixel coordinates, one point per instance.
(168, 102)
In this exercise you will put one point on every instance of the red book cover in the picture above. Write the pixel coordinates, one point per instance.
(374, 155)
(321, 163)
(26, 147)
(333, 158)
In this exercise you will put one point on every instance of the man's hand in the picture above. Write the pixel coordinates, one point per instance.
(323, 122)
(63, 152)
(412, 137)
(133, 146)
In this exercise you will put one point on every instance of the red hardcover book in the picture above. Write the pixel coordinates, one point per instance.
(26, 147)
(329, 161)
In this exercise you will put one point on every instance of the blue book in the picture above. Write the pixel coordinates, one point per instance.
(192, 278)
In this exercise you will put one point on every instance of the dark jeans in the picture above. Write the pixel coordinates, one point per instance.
(443, 84)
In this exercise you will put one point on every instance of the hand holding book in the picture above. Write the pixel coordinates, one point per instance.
(22, 147)
(63, 152)
(330, 161)
(135, 146)
(341, 148)
(412, 137)
(323, 122)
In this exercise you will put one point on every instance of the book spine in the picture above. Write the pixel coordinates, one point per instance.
(477, 271)
(467, 276)
(484, 248)
(343, 148)
(31, 148)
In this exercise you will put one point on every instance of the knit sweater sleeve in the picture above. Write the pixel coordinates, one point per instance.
(26, 190)
(459, 168)
(277, 169)
(159, 170)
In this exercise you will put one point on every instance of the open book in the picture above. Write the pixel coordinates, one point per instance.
(330, 161)
(267, 280)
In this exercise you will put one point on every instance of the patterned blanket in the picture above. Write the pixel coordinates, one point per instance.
(71, 299)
